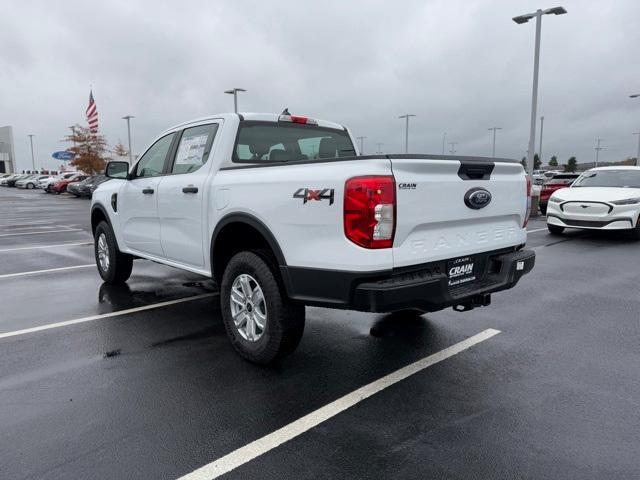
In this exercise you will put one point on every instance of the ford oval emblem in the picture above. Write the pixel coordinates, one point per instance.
(477, 198)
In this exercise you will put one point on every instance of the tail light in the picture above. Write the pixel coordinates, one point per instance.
(528, 213)
(297, 119)
(370, 211)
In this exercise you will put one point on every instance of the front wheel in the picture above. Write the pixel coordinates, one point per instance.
(635, 232)
(543, 208)
(114, 266)
(30, 186)
(261, 322)
(555, 229)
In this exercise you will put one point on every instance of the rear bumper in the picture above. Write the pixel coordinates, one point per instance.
(423, 287)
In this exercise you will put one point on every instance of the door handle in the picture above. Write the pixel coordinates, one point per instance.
(190, 189)
(147, 191)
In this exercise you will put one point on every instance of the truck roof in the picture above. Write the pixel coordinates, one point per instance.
(264, 117)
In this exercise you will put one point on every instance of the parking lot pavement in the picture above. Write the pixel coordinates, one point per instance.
(140, 381)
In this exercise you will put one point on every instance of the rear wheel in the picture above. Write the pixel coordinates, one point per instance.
(114, 266)
(555, 229)
(261, 322)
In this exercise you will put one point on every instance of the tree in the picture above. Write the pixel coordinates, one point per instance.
(90, 150)
(571, 165)
(523, 162)
(120, 151)
(537, 163)
(553, 162)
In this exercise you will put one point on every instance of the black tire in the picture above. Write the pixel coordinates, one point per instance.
(635, 232)
(119, 265)
(555, 229)
(30, 186)
(543, 208)
(284, 322)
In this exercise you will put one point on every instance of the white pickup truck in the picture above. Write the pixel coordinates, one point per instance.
(282, 212)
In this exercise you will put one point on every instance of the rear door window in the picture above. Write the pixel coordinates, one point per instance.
(194, 148)
(259, 142)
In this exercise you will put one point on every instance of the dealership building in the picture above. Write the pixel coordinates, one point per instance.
(7, 154)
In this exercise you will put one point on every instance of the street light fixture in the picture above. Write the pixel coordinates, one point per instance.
(536, 62)
(33, 161)
(636, 95)
(493, 151)
(406, 131)
(361, 144)
(128, 119)
(597, 148)
(234, 91)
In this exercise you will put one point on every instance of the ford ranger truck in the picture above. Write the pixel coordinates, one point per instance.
(282, 212)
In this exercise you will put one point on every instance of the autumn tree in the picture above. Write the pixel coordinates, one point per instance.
(553, 162)
(90, 150)
(537, 163)
(120, 151)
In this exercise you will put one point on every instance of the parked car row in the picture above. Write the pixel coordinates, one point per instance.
(76, 183)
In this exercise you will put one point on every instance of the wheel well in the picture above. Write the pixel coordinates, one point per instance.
(97, 216)
(233, 238)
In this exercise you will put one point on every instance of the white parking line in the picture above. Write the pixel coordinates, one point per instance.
(261, 446)
(40, 233)
(538, 230)
(35, 272)
(46, 246)
(104, 315)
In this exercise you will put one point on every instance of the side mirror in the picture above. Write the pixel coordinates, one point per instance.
(117, 170)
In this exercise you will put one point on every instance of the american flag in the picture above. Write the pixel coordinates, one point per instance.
(92, 114)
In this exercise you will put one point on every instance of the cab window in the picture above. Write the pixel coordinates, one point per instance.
(152, 162)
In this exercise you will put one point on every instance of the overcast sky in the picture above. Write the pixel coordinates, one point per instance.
(460, 66)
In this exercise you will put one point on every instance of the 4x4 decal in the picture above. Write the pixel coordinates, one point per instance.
(307, 195)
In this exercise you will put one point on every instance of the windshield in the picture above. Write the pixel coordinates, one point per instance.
(561, 180)
(283, 142)
(609, 178)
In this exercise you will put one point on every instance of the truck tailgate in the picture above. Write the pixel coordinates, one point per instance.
(433, 220)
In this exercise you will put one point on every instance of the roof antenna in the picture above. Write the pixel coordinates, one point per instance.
(285, 112)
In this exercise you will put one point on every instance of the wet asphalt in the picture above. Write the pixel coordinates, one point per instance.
(157, 393)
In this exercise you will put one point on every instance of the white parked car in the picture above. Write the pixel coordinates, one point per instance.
(604, 198)
(282, 212)
(47, 183)
(31, 182)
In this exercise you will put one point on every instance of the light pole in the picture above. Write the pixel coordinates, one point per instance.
(128, 119)
(406, 131)
(444, 139)
(597, 148)
(33, 161)
(536, 62)
(493, 151)
(234, 91)
(636, 95)
(361, 144)
(541, 129)
(379, 145)
(453, 147)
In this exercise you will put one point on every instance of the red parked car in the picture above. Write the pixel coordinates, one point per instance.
(559, 181)
(61, 186)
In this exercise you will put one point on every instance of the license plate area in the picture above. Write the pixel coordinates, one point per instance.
(461, 270)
